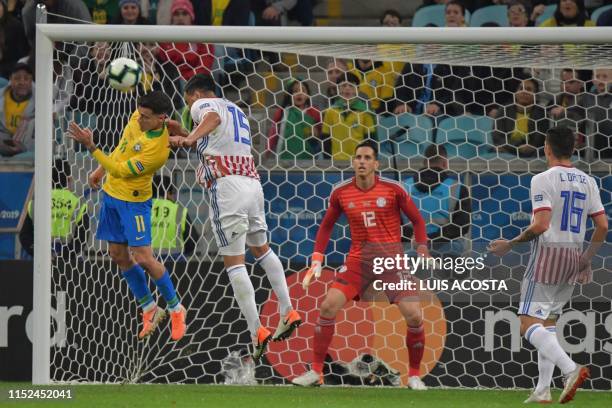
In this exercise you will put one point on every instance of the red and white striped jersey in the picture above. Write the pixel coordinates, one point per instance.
(227, 149)
(570, 195)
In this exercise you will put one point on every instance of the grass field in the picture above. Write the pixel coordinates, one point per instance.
(213, 396)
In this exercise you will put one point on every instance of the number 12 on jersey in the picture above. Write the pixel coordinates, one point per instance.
(241, 124)
(369, 218)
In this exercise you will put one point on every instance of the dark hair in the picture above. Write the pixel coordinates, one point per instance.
(534, 81)
(157, 101)
(435, 153)
(390, 12)
(162, 185)
(348, 77)
(561, 140)
(200, 82)
(578, 20)
(371, 144)
(287, 99)
(456, 3)
(60, 173)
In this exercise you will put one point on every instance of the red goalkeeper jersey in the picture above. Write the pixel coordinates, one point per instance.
(373, 215)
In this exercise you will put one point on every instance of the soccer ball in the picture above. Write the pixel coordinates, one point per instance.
(124, 74)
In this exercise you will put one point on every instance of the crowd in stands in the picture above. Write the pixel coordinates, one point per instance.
(307, 119)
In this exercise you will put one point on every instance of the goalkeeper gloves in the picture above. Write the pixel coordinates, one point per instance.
(314, 270)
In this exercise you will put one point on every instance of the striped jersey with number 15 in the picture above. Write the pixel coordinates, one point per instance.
(227, 149)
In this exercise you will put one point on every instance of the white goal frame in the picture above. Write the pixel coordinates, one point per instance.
(47, 33)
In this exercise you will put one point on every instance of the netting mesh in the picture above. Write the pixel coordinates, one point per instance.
(489, 106)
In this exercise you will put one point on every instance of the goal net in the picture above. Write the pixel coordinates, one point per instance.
(488, 104)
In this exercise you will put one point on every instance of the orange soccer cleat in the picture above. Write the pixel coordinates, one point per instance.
(150, 321)
(178, 323)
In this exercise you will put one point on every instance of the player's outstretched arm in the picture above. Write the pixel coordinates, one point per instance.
(322, 239)
(210, 122)
(540, 224)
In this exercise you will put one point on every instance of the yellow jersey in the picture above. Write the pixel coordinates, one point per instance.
(13, 111)
(131, 166)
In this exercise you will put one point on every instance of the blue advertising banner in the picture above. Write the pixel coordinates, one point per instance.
(12, 205)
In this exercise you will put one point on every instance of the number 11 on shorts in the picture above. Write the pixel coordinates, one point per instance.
(140, 225)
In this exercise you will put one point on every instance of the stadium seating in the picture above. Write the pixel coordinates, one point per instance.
(598, 12)
(548, 13)
(466, 136)
(407, 135)
(490, 14)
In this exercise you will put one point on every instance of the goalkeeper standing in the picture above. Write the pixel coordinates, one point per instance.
(125, 216)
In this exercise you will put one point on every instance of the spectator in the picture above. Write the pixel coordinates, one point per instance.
(519, 15)
(271, 12)
(347, 122)
(69, 218)
(15, 7)
(568, 107)
(130, 13)
(74, 9)
(190, 58)
(172, 230)
(157, 12)
(302, 12)
(569, 13)
(599, 108)
(13, 42)
(108, 108)
(605, 19)
(444, 202)
(454, 14)
(335, 68)
(227, 13)
(17, 112)
(391, 18)
(432, 89)
(296, 125)
(520, 128)
(103, 11)
(377, 80)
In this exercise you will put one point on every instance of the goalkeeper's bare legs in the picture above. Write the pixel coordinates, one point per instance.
(540, 333)
(415, 340)
(133, 262)
(289, 319)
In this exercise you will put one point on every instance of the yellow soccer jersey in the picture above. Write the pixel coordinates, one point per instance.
(13, 111)
(131, 166)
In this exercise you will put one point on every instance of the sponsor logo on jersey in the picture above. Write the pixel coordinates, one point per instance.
(381, 202)
(351, 205)
(204, 105)
(137, 147)
(139, 166)
(537, 197)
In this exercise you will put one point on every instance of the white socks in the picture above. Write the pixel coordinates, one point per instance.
(276, 276)
(244, 293)
(547, 344)
(545, 367)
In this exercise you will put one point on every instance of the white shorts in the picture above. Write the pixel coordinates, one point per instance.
(237, 214)
(541, 300)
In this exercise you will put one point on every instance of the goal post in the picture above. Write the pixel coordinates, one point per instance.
(342, 42)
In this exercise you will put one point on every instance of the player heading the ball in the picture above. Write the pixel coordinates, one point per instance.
(561, 197)
(373, 207)
(222, 137)
(125, 216)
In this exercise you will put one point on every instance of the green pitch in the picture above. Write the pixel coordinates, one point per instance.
(218, 396)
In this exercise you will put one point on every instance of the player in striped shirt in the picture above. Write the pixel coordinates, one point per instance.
(222, 137)
(373, 207)
(562, 197)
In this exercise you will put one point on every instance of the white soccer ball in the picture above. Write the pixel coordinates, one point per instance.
(124, 74)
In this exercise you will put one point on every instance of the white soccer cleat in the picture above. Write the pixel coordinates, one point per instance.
(415, 383)
(542, 397)
(308, 379)
(573, 381)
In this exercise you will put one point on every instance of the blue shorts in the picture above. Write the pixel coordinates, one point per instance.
(125, 222)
